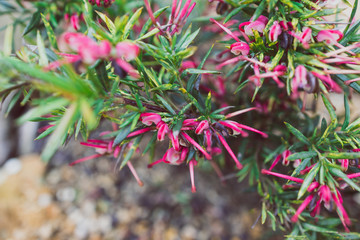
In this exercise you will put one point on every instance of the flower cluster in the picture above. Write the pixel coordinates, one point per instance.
(105, 147)
(177, 18)
(318, 193)
(88, 52)
(212, 133)
(104, 3)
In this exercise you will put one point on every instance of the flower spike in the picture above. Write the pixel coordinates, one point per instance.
(227, 147)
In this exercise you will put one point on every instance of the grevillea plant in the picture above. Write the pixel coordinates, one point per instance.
(234, 95)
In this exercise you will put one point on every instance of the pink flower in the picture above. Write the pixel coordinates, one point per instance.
(208, 139)
(302, 207)
(306, 35)
(92, 52)
(192, 163)
(240, 48)
(186, 65)
(304, 38)
(344, 164)
(286, 25)
(175, 141)
(278, 71)
(173, 156)
(150, 118)
(103, 148)
(177, 18)
(72, 41)
(299, 79)
(127, 50)
(274, 32)
(237, 127)
(331, 84)
(324, 193)
(190, 122)
(227, 147)
(203, 125)
(138, 132)
(88, 50)
(341, 211)
(294, 179)
(193, 142)
(283, 156)
(163, 129)
(105, 3)
(329, 36)
(104, 49)
(257, 25)
(74, 20)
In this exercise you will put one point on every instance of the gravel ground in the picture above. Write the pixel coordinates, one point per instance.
(91, 201)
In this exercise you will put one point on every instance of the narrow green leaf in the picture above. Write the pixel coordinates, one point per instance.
(263, 213)
(329, 107)
(88, 114)
(317, 228)
(149, 34)
(323, 126)
(49, 31)
(14, 100)
(347, 113)
(45, 133)
(302, 155)
(234, 12)
(308, 180)
(110, 24)
(186, 40)
(205, 57)
(27, 96)
(56, 82)
(339, 139)
(43, 60)
(275, 61)
(259, 10)
(150, 144)
(34, 21)
(43, 109)
(352, 15)
(148, 23)
(297, 134)
(123, 133)
(8, 40)
(134, 121)
(241, 86)
(132, 150)
(342, 155)
(200, 71)
(166, 105)
(273, 220)
(208, 102)
(130, 24)
(339, 173)
(355, 124)
(302, 166)
(60, 132)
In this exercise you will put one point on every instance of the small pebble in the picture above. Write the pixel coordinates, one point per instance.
(66, 194)
(12, 166)
(188, 232)
(44, 200)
